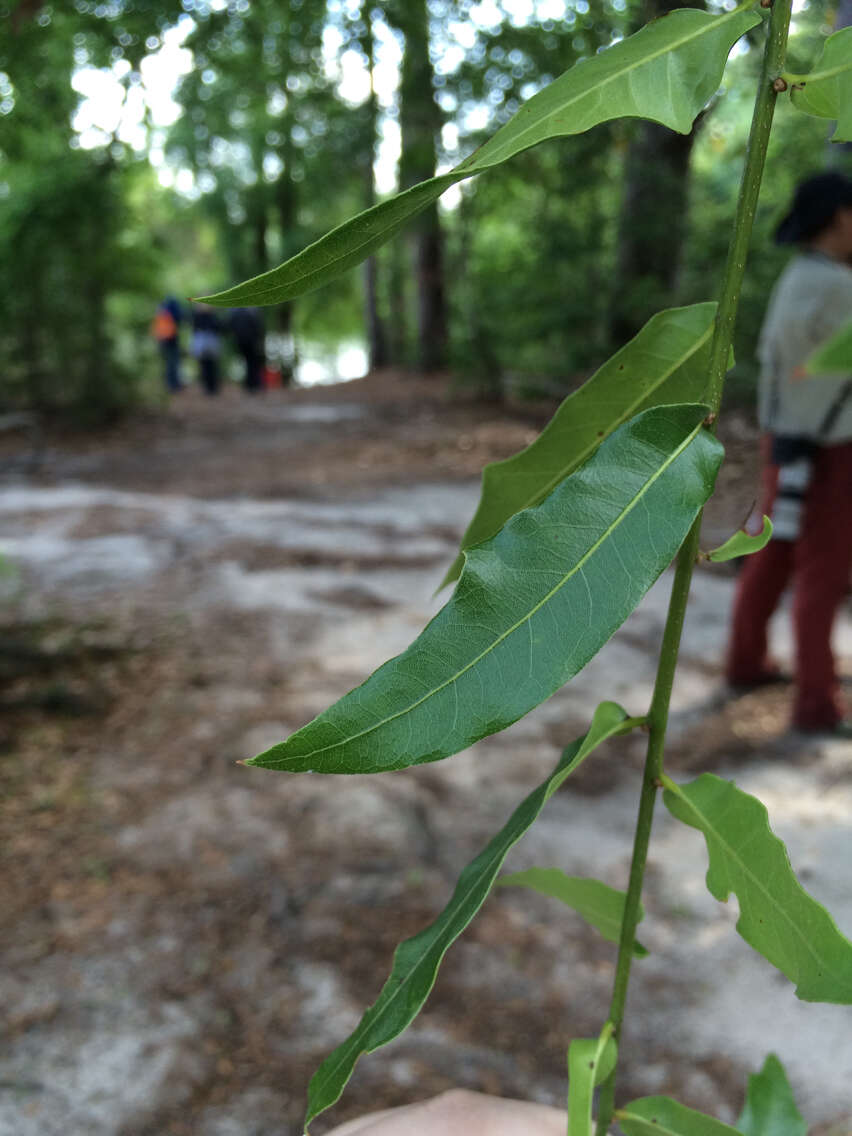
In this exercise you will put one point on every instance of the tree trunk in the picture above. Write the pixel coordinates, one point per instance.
(377, 342)
(398, 286)
(484, 360)
(257, 206)
(287, 201)
(652, 227)
(420, 121)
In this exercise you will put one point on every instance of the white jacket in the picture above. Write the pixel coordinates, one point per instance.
(811, 301)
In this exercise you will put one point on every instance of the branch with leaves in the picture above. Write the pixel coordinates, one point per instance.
(568, 537)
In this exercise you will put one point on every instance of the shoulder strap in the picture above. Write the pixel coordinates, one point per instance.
(833, 412)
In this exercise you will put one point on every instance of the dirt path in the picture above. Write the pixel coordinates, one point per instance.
(185, 939)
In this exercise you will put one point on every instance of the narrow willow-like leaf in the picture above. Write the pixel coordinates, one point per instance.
(589, 1063)
(416, 961)
(661, 1116)
(666, 362)
(742, 543)
(827, 91)
(533, 605)
(599, 904)
(777, 916)
(835, 355)
(665, 72)
(770, 1109)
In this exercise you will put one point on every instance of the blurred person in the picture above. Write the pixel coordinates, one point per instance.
(460, 1112)
(246, 326)
(207, 346)
(166, 330)
(807, 449)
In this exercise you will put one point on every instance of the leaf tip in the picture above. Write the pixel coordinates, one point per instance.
(215, 299)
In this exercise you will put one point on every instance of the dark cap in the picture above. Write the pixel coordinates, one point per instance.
(814, 205)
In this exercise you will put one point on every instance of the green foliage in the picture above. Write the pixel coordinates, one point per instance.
(57, 344)
(589, 1063)
(254, 106)
(742, 543)
(568, 537)
(570, 533)
(796, 146)
(279, 157)
(770, 1109)
(416, 961)
(533, 605)
(661, 1116)
(665, 72)
(827, 91)
(599, 904)
(343, 248)
(665, 363)
(777, 916)
(85, 241)
(530, 251)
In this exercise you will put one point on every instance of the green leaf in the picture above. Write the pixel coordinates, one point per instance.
(661, 1116)
(834, 355)
(342, 248)
(416, 961)
(777, 916)
(742, 543)
(827, 91)
(589, 1063)
(769, 1106)
(533, 605)
(665, 72)
(598, 903)
(665, 363)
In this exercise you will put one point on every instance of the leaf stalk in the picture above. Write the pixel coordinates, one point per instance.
(815, 76)
(773, 62)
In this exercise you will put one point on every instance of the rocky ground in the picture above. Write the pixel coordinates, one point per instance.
(184, 939)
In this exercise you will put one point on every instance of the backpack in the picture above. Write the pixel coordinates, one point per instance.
(163, 325)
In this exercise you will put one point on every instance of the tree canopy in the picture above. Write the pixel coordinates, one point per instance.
(287, 119)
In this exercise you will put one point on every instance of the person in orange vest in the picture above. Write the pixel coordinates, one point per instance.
(166, 330)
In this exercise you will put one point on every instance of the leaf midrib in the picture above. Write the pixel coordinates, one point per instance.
(526, 618)
(672, 47)
(354, 249)
(768, 895)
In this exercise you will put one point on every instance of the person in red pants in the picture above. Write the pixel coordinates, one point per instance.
(807, 478)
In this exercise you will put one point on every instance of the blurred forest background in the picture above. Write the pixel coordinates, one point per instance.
(177, 146)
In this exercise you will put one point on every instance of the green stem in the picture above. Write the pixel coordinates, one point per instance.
(773, 61)
(657, 722)
(758, 141)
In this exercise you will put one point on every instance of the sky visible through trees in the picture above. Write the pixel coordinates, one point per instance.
(107, 107)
